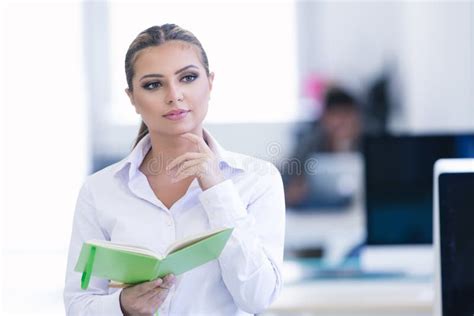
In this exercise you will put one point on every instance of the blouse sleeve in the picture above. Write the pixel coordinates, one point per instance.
(252, 259)
(95, 300)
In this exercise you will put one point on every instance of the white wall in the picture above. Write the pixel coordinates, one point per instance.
(436, 54)
(348, 41)
(250, 46)
(46, 144)
(430, 43)
(3, 182)
(44, 153)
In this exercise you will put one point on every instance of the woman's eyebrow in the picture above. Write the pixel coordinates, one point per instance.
(177, 72)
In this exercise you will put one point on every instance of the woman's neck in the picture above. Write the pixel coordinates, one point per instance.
(164, 149)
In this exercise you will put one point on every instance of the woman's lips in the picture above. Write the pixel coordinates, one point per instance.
(176, 117)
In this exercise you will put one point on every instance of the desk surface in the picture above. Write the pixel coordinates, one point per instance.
(356, 297)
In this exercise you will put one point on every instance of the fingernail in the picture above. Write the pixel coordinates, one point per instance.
(158, 281)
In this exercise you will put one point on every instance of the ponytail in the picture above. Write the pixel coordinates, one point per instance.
(141, 133)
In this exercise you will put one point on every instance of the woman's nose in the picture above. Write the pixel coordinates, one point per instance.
(174, 95)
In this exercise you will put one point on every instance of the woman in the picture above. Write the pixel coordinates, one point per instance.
(179, 181)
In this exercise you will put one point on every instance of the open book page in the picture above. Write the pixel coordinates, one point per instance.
(182, 243)
(177, 245)
(124, 247)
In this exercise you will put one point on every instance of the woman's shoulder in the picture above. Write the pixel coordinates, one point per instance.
(105, 175)
(252, 165)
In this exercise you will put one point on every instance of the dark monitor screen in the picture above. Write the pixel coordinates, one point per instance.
(456, 214)
(399, 184)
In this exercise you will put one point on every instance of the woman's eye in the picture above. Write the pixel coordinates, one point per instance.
(152, 85)
(189, 78)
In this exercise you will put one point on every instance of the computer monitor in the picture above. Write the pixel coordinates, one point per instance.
(333, 181)
(453, 236)
(399, 184)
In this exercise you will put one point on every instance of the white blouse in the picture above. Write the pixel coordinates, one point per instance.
(118, 204)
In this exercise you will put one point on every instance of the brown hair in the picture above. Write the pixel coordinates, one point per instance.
(155, 36)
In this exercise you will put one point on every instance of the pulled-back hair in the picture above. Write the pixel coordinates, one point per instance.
(337, 97)
(155, 36)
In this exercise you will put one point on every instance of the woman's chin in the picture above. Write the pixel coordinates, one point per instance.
(178, 129)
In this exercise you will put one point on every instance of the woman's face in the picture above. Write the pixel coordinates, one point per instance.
(171, 77)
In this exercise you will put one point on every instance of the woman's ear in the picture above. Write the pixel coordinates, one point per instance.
(132, 100)
(211, 80)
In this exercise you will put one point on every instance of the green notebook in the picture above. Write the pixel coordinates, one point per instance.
(127, 264)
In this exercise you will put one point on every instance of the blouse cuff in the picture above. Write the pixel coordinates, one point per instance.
(223, 204)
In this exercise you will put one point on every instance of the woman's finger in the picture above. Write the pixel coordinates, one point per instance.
(190, 172)
(169, 280)
(196, 170)
(166, 283)
(184, 157)
(190, 163)
(199, 141)
(159, 297)
(162, 290)
(148, 287)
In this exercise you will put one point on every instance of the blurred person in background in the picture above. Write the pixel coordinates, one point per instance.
(337, 130)
(179, 181)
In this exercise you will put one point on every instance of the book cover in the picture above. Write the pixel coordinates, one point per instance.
(133, 264)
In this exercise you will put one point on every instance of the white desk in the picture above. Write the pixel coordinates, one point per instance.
(407, 297)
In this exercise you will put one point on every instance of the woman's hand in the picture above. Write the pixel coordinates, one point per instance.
(145, 298)
(202, 164)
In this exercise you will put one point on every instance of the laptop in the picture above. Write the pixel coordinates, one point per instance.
(453, 234)
(333, 180)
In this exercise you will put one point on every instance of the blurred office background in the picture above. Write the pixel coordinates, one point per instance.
(406, 66)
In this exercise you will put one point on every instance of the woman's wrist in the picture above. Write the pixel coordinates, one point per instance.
(211, 181)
